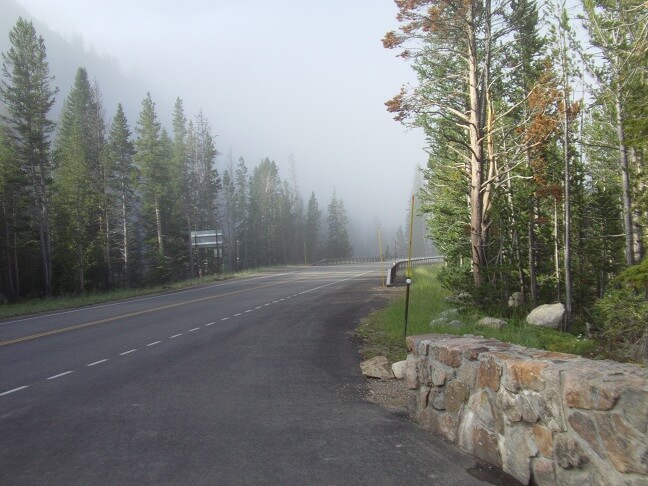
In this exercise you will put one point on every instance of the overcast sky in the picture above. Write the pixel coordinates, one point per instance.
(274, 78)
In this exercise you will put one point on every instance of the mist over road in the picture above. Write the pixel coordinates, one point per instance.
(249, 381)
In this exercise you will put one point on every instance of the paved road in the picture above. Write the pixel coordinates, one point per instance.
(250, 381)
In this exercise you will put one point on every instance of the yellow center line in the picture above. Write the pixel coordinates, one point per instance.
(131, 314)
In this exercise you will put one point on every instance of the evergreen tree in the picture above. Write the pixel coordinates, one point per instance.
(123, 177)
(184, 189)
(400, 243)
(80, 196)
(337, 242)
(263, 214)
(154, 168)
(313, 228)
(28, 97)
(13, 210)
(241, 213)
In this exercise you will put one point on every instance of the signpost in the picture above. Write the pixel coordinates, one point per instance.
(209, 239)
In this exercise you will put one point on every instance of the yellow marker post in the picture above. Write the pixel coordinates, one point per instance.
(408, 280)
(382, 269)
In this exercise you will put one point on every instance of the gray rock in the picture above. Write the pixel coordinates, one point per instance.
(449, 313)
(439, 321)
(516, 299)
(455, 323)
(492, 322)
(399, 369)
(461, 298)
(377, 367)
(547, 315)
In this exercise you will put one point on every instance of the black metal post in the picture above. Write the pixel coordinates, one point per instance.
(408, 282)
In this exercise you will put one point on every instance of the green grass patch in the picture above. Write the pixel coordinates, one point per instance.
(33, 306)
(383, 330)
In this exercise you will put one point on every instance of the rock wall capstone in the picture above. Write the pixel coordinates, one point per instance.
(545, 418)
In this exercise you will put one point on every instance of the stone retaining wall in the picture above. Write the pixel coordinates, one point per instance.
(545, 418)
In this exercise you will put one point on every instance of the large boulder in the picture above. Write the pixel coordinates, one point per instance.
(492, 322)
(377, 367)
(547, 315)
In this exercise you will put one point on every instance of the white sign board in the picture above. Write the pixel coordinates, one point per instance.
(207, 239)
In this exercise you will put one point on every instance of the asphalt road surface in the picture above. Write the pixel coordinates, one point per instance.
(248, 381)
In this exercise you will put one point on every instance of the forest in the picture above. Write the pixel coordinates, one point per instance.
(536, 118)
(90, 203)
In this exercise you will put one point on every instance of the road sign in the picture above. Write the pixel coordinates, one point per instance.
(207, 239)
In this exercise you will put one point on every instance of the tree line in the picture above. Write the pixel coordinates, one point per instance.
(88, 204)
(537, 124)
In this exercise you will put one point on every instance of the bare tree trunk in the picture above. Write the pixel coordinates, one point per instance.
(475, 129)
(567, 215)
(625, 180)
(38, 180)
(638, 231)
(533, 253)
(9, 236)
(158, 223)
(557, 271)
(125, 251)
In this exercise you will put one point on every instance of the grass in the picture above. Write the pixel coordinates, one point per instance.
(33, 306)
(383, 330)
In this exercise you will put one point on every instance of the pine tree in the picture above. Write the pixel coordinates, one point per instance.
(452, 45)
(80, 197)
(13, 210)
(154, 168)
(123, 177)
(265, 199)
(313, 228)
(183, 181)
(28, 96)
(337, 242)
(241, 213)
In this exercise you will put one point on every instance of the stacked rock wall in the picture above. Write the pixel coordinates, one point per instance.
(545, 418)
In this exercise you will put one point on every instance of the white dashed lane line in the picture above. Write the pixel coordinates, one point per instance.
(97, 362)
(154, 343)
(59, 375)
(13, 390)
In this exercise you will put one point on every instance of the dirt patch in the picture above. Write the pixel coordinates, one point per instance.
(389, 393)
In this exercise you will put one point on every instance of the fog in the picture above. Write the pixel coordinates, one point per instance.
(275, 78)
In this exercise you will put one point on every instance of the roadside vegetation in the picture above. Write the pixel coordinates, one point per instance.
(383, 330)
(33, 306)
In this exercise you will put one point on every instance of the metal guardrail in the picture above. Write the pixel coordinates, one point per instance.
(345, 261)
(396, 274)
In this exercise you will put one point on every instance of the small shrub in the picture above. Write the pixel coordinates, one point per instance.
(623, 316)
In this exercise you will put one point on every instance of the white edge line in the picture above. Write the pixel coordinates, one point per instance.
(59, 375)
(334, 283)
(249, 310)
(236, 315)
(210, 324)
(128, 352)
(224, 318)
(153, 343)
(175, 336)
(13, 390)
(98, 362)
(194, 329)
